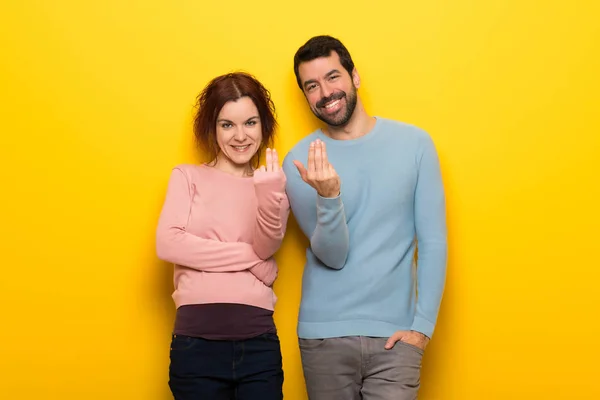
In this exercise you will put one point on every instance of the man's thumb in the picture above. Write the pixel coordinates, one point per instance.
(301, 169)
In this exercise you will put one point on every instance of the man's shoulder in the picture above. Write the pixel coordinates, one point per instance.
(404, 129)
(411, 138)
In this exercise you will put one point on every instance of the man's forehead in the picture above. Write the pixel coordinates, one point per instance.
(320, 66)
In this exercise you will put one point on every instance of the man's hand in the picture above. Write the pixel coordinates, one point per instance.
(320, 174)
(411, 337)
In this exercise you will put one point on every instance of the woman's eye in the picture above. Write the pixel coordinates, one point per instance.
(225, 125)
(251, 123)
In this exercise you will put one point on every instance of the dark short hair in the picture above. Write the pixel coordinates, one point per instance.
(322, 46)
(231, 87)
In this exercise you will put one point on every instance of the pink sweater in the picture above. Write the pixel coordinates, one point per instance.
(221, 232)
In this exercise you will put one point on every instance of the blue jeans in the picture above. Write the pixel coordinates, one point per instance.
(226, 370)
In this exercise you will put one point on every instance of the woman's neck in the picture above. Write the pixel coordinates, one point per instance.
(225, 165)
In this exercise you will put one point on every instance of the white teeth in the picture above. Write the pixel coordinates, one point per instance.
(241, 148)
(331, 105)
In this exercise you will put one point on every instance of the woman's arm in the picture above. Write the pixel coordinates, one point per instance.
(174, 244)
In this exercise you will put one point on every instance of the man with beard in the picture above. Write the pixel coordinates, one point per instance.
(370, 193)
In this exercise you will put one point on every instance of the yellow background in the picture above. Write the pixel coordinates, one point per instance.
(96, 104)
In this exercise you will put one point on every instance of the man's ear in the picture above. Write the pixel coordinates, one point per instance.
(355, 78)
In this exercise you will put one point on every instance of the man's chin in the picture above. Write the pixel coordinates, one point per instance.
(331, 120)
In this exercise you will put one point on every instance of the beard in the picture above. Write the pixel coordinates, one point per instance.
(343, 115)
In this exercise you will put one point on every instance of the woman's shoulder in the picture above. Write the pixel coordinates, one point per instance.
(191, 171)
(206, 174)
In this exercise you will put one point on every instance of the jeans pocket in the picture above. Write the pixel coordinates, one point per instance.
(310, 344)
(182, 343)
(411, 346)
(270, 337)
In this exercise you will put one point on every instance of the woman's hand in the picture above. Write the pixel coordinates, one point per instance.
(271, 173)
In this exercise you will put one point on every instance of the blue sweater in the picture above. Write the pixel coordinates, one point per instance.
(360, 277)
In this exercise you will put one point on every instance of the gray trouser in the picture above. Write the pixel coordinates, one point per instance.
(354, 368)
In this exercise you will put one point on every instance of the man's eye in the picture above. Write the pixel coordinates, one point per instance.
(331, 78)
(311, 87)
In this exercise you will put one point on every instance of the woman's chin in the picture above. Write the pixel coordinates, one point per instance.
(240, 159)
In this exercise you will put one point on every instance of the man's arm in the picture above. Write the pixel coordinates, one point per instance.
(330, 240)
(329, 237)
(430, 221)
(174, 244)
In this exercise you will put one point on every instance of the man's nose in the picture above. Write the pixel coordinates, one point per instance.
(326, 91)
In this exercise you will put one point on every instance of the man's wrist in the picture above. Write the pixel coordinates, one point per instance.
(330, 195)
(423, 336)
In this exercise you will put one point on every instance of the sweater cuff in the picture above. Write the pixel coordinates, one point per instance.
(329, 203)
(423, 326)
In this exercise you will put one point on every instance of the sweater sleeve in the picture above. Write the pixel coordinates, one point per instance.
(272, 212)
(174, 244)
(266, 271)
(330, 241)
(328, 235)
(430, 220)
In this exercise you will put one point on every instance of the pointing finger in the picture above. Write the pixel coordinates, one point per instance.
(311, 158)
(324, 157)
(269, 161)
(319, 159)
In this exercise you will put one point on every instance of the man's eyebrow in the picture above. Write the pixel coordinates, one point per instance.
(327, 75)
(306, 83)
(333, 71)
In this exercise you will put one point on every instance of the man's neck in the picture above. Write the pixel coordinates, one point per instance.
(359, 125)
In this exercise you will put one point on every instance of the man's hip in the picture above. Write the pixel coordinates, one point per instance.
(359, 367)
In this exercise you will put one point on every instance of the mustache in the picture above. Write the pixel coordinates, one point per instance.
(335, 96)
